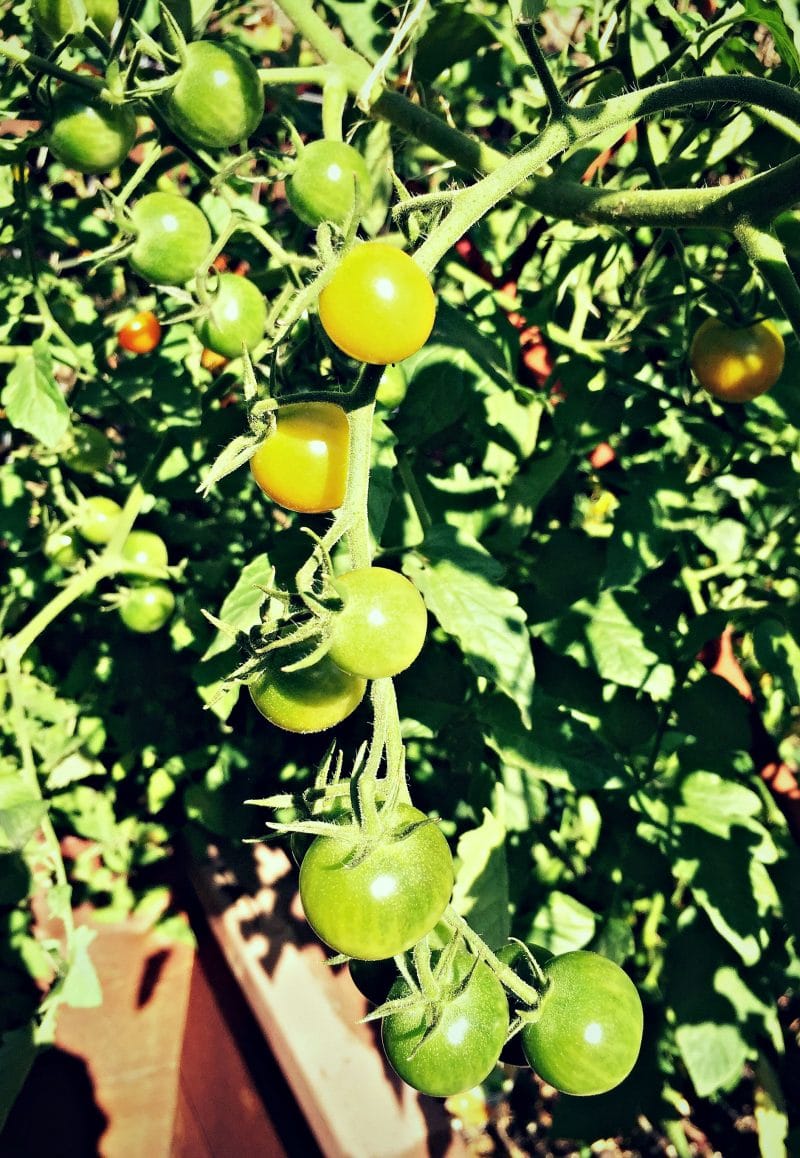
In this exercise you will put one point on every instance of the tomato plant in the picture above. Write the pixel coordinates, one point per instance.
(303, 463)
(737, 363)
(97, 519)
(218, 100)
(88, 134)
(381, 627)
(310, 699)
(587, 1036)
(379, 306)
(458, 1047)
(328, 179)
(88, 450)
(382, 901)
(141, 333)
(172, 236)
(146, 609)
(237, 317)
(145, 549)
(57, 17)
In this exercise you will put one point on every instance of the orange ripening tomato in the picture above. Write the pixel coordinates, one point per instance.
(736, 364)
(141, 334)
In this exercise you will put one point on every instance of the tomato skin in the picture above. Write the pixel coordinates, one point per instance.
(326, 182)
(218, 100)
(382, 625)
(388, 900)
(98, 518)
(90, 135)
(141, 334)
(89, 450)
(147, 609)
(311, 699)
(302, 465)
(379, 306)
(62, 548)
(462, 1049)
(145, 549)
(589, 1031)
(56, 19)
(238, 317)
(172, 238)
(736, 365)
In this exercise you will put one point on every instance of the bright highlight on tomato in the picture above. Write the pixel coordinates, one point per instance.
(379, 306)
(589, 1031)
(382, 903)
(141, 334)
(326, 180)
(737, 364)
(172, 238)
(459, 1050)
(147, 609)
(90, 135)
(381, 628)
(237, 317)
(145, 549)
(303, 464)
(218, 100)
(97, 519)
(310, 699)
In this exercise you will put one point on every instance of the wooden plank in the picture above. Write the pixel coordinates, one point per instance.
(309, 1013)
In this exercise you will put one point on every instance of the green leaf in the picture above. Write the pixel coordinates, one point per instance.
(779, 653)
(783, 21)
(562, 924)
(453, 34)
(81, 986)
(481, 888)
(713, 1054)
(618, 645)
(241, 608)
(21, 813)
(459, 581)
(17, 1054)
(32, 399)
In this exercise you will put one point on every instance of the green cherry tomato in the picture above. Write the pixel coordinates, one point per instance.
(237, 317)
(382, 902)
(381, 627)
(379, 306)
(373, 979)
(145, 549)
(89, 450)
(303, 464)
(310, 699)
(172, 237)
(589, 1031)
(90, 135)
(218, 100)
(97, 519)
(461, 1048)
(57, 17)
(736, 364)
(328, 178)
(62, 548)
(147, 608)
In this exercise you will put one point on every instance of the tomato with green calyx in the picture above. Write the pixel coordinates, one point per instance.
(461, 1048)
(515, 955)
(62, 548)
(381, 627)
(382, 901)
(237, 318)
(90, 135)
(303, 463)
(310, 699)
(172, 237)
(379, 306)
(57, 17)
(145, 549)
(97, 519)
(218, 100)
(141, 333)
(329, 179)
(88, 450)
(146, 609)
(589, 1029)
(737, 364)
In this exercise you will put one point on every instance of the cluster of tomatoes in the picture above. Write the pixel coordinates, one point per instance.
(376, 887)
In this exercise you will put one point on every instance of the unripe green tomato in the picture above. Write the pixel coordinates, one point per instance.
(172, 238)
(381, 627)
(310, 699)
(145, 549)
(57, 17)
(218, 100)
(62, 548)
(147, 609)
(326, 181)
(88, 134)
(97, 519)
(238, 317)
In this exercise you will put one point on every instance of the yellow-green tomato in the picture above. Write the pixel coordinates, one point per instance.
(381, 627)
(236, 318)
(58, 17)
(310, 699)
